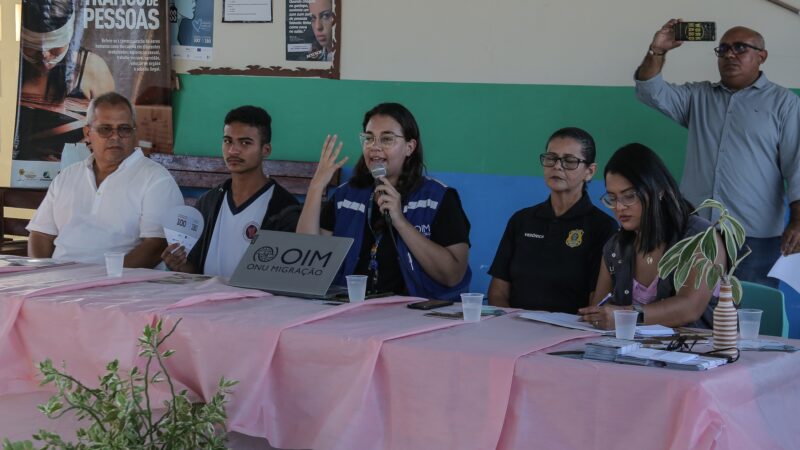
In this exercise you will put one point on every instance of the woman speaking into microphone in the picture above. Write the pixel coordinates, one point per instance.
(411, 235)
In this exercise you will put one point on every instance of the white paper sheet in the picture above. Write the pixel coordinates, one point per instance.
(561, 319)
(183, 225)
(787, 269)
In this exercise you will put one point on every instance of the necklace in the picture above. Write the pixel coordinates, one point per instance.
(648, 259)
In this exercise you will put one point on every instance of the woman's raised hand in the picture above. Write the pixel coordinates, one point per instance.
(328, 165)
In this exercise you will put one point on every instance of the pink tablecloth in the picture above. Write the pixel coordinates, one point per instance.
(559, 402)
(378, 375)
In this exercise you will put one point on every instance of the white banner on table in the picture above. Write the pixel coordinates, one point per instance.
(787, 269)
(183, 225)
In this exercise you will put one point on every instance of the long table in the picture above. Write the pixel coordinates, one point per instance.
(379, 375)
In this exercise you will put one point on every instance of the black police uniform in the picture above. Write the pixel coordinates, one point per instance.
(552, 262)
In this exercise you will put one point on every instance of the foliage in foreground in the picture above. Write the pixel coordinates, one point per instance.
(120, 410)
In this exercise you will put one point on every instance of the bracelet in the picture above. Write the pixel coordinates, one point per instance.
(653, 52)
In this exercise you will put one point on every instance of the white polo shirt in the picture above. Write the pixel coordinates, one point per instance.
(128, 206)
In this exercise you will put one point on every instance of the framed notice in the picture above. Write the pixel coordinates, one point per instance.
(247, 11)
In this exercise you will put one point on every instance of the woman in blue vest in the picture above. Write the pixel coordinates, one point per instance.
(411, 233)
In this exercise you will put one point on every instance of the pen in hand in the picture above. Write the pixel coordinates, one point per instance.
(605, 299)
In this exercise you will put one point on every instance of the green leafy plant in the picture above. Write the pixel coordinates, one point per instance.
(699, 252)
(120, 409)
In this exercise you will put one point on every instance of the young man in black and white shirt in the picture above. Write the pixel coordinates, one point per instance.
(235, 210)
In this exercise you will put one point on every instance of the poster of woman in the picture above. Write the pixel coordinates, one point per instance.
(310, 26)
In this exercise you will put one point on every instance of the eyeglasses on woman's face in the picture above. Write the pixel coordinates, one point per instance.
(626, 199)
(568, 162)
(385, 140)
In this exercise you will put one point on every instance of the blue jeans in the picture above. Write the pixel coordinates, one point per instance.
(756, 266)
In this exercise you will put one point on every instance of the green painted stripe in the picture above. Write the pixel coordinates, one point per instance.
(473, 128)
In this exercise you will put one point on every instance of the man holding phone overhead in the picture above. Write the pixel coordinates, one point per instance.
(744, 141)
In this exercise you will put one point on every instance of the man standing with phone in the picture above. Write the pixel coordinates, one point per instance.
(744, 141)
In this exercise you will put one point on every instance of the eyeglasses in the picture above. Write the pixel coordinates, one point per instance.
(568, 162)
(385, 140)
(122, 131)
(737, 47)
(611, 201)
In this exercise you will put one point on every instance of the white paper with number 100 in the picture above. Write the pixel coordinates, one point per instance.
(183, 225)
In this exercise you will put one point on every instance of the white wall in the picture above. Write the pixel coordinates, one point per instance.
(581, 42)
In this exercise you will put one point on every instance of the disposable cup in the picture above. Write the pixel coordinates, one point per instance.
(625, 323)
(114, 263)
(471, 304)
(356, 287)
(749, 324)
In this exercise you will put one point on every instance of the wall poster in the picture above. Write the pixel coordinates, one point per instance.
(310, 26)
(191, 29)
(75, 50)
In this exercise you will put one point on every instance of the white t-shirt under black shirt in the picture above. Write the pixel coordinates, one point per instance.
(233, 231)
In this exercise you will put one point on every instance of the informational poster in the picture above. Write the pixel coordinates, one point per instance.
(191, 29)
(310, 26)
(247, 11)
(75, 50)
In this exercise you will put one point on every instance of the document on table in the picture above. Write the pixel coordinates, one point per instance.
(654, 331)
(787, 269)
(560, 319)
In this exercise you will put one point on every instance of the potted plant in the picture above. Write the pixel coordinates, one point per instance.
(119, 409)
(699, 253)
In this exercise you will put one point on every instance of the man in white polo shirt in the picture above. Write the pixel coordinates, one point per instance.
(112, 201)
(235, 210)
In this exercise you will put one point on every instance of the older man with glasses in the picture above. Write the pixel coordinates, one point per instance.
(744, 141)
(113, 201)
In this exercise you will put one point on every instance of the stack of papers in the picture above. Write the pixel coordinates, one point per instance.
(560, 319)
(764, 345)
(608, 349)
(672, 360)
(654, 331)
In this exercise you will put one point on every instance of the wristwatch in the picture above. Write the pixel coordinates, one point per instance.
(654, 53)
(640, 310)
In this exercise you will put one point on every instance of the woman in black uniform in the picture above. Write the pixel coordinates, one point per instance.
(550, 253)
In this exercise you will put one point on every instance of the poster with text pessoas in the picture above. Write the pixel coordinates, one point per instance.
(75, 50)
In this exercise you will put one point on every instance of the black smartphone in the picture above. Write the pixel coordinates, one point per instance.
(695, 31)
(430, 304)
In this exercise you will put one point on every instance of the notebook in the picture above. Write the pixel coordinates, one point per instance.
(292, 264)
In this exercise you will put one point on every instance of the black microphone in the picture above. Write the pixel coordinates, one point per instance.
(379, 170)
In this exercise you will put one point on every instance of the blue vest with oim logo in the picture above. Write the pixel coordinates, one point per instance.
(351, 205)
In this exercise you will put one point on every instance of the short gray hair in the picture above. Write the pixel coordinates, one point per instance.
(109, 98)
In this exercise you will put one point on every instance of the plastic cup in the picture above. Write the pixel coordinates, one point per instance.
(625, 323)
(749, 324)
(471, 304)
(114, 263)
(356, 287)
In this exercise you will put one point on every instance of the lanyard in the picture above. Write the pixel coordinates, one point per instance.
(373, 252)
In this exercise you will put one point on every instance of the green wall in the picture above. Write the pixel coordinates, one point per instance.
(472, 128)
